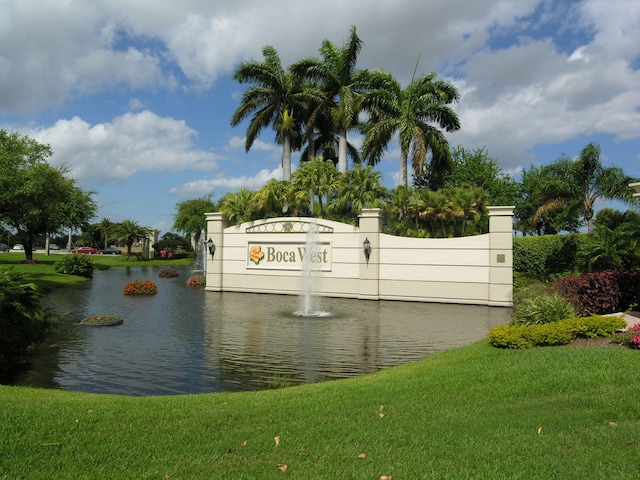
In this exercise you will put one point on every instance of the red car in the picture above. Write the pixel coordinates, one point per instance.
(89, 250)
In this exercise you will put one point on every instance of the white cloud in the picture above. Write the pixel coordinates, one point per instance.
(131, 143)
(223, 184)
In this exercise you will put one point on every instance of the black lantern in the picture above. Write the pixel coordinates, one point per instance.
(212, 247)
(367, 249)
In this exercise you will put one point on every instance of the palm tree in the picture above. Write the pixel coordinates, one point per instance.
(410, 112)
(317, 177)
(274, 198)
(130, 231)
(342, 85)
(579, 184)
(361, 189)
(239, 206)
(106, 228)
(274, 98)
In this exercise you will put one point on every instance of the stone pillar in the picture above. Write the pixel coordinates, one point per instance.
(216, 223)
(501, 256)
(370, 224)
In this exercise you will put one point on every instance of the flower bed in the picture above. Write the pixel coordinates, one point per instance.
(102, 320)
(140, 287)
(196, 281)
(168, 273)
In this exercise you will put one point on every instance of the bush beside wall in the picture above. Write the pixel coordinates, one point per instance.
(601, 292)
(547, 256)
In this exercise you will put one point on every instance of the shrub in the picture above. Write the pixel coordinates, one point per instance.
(75, 264)
(22, 320)
(547, 256)
(541, 309)
(630, 337)
(556, 333)
(168, 273)
(599, 293)
(196, 281)
(140, 287)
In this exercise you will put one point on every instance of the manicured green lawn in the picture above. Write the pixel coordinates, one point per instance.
(475, 412)
(44, 275)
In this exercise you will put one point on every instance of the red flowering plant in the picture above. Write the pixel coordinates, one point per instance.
(102, 320)
(140, 287)
(196, 281)
(168, 273)
(634, 332)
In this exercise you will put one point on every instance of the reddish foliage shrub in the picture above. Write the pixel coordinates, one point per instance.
(168, 273)
(602, 292)
(140, 287)
(196, 281)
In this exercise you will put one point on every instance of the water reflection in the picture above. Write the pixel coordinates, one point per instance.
(189, 341)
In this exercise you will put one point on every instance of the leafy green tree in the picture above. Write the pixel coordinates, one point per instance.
(35, 197)
(476, 168)
(342, 85)
(275, 98)
(130, 232)
(189, 217)
(411, 112)
(578, 184)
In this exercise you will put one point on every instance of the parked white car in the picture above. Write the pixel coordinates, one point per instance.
(18, 246)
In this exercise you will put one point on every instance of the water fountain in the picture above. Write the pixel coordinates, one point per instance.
(200, 255)
(309, 273)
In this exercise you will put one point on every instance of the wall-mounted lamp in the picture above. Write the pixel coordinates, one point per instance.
(212, 247)
(367, 249)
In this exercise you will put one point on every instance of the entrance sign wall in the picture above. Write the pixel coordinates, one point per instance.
(267, 256)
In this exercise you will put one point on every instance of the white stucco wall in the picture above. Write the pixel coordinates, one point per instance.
(473, 270)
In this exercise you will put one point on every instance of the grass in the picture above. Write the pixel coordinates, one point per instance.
(475, 412)
(44, 275)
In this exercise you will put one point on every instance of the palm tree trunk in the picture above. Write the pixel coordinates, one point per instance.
(286, 157)
(403, 170)
(342, 150)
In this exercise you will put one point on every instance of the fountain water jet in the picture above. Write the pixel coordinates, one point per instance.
(309, 272)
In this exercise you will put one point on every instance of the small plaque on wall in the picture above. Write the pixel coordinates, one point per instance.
(501, 258)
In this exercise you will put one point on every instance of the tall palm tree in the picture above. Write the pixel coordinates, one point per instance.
(579, 183)
(343, 86)
(106, 228)
(410, 112)
(130, 231)
(274, 98)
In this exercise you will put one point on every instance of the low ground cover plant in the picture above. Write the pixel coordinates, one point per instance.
(22, 319)
(140, 287)
(98, 319)
(76, 264)
(555, 333)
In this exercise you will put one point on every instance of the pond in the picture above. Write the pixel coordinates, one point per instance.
(185, 340)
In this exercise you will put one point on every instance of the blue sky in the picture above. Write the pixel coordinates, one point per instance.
(135, 96)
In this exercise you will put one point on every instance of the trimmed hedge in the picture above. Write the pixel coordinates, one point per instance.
(602, 292)
(547, 256)
(556, 333)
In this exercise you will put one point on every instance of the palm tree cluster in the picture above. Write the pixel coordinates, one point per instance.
(314, 103)
(319, 189)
